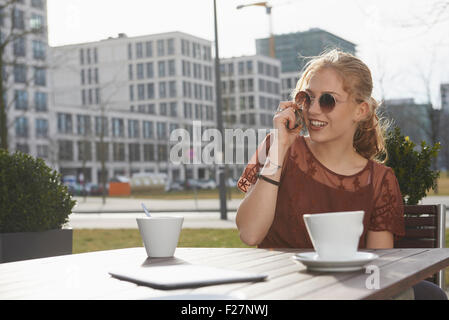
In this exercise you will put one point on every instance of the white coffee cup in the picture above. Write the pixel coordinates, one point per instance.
(160, 235)
(335, 235)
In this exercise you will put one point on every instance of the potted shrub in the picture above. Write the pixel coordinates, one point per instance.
(34, 206)
(412, 168)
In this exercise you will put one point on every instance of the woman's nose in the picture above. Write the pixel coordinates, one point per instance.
(314, 107)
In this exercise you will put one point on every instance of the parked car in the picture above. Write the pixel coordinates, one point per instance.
(174, 186)
(207, 184)
(230, 182)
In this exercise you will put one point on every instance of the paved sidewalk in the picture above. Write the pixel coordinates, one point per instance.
(121, 218)
(82, 218)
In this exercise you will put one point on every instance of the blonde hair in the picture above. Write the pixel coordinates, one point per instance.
(369, 139)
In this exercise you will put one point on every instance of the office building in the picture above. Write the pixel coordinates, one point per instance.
(294, 48)
(128, 94)
(25, 76)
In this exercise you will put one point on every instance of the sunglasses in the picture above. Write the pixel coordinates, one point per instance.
(326, 101)
(303, 101)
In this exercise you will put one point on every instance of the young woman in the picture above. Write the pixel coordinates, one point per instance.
(333, 168)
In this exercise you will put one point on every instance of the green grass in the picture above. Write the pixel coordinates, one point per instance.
(87, 240)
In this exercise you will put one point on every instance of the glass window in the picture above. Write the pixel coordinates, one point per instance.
(140, 71)
(150, 90)
(149, 48)
(40, 78)
(101, 126)
(148, 130)
(161, 68)
(162, 90)
(160, 48)
(40, 101)
(139, 50)
(19, 47)
(170, 46)
(21, 125)
(133, 128)
(64, 123)
(118, 127)
(20, 73)
(150, 71)
(21, 99)
(65, 150)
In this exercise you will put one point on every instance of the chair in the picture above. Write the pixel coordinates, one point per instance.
(425, 227)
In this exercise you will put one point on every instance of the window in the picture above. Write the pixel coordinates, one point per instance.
(37, 4)
(150, 90)
(64, 123)
(65, 150)
(118, 127)
(171, 68)
(39, 50)
(172, 89)
(42, 151)
(36, 22)
(40, 101)
(148, 152)
(84, 151)
(20, 73)
(241, 67)
(162, 90)
(170, 46)
(141, 92)
(96, 75)
(19, 47)
(18, 20)
(161, 130)
(83, 125)
(102, 151)
(161, 68)
(173, 109)
(23, 147)
(21, 99)
(134, 152)
(150, 70)
(40, 76)
(152, 108)
(118, 150)
(148, 130)
(131, 93)
(139, 50)
(163, 109)
(162, 152)
(130, 51)
(149, 48)
(160, 48)
(82, 56)
(101, 126)
(130, 72)
(21, 125)
(133, 128)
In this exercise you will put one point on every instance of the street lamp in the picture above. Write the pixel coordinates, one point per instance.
(221, 167)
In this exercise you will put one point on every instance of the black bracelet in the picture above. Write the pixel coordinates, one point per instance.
(276, 183)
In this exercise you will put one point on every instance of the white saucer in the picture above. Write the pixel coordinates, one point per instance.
(313, 262)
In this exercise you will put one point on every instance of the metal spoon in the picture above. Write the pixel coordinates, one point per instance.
(146, 210)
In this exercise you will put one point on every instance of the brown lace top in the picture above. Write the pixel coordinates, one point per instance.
(307, 186)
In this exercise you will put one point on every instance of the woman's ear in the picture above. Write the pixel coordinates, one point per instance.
(362, 111)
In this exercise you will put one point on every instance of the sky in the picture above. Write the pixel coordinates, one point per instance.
(404, 42)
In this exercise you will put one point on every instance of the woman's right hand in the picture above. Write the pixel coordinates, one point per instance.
(286, 114)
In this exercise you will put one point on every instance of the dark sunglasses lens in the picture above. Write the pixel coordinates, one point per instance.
(303, 99)
(327, 102)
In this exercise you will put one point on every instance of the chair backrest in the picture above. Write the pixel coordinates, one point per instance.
(425, 227)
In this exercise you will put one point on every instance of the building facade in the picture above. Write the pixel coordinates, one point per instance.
(294, 48)
(119, 99)
(23, 26)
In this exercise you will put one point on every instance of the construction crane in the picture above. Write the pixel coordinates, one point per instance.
(268, 8)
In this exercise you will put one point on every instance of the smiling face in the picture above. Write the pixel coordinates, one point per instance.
(341, 121)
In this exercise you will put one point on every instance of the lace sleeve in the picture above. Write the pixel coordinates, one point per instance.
(388, 213)
(257, 161)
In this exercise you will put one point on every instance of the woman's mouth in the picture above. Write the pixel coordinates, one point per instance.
(317, 125)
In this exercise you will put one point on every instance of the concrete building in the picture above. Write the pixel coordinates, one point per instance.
(251, 92)
(130, 92)
(294, 48)
(411, 117)
(444, 91)
(25, 76)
